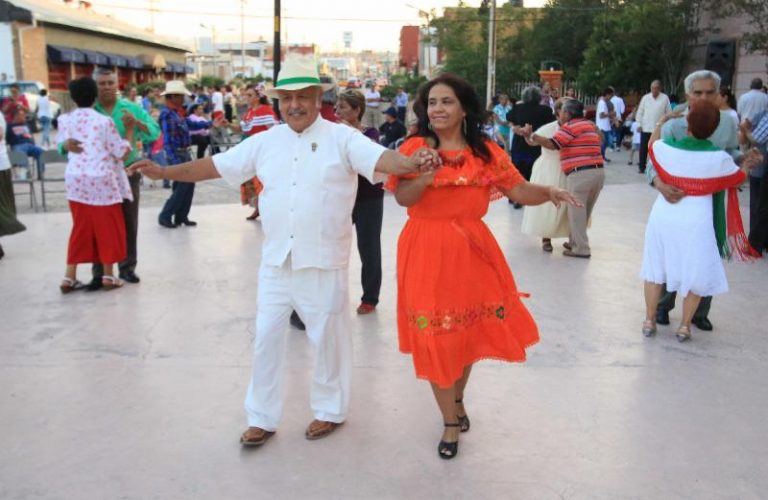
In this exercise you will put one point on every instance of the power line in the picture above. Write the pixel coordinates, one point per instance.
(537, 12)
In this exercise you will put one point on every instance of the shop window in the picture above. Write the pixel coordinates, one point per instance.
(58, 76)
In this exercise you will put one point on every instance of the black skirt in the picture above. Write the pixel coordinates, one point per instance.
(9, 224)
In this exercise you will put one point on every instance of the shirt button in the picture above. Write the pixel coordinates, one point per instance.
(293, 184)
(291, 236)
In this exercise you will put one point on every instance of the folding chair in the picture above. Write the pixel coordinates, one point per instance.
(50, 157)
(21, 160)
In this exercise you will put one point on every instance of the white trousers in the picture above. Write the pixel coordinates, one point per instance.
(321, 297)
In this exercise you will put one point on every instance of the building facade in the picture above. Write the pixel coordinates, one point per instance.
(55, 42)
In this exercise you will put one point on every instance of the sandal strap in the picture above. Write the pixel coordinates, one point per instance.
(452, 425)
(460, 400)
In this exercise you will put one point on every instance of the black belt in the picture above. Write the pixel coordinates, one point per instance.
(585, 167)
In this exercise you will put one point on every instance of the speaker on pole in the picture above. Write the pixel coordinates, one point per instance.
(721, 58)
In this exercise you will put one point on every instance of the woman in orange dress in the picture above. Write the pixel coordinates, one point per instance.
(457, 299)
(258, 118)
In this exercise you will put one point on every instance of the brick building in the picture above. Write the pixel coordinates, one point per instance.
(54, 41)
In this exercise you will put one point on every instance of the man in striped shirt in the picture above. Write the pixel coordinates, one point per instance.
(579, 142)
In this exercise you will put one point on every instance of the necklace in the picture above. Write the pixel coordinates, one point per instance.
(453, 159)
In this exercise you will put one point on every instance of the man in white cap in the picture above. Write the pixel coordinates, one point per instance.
(309, 169)
(176, 141)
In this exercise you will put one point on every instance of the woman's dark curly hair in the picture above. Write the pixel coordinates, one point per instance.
(470, 103)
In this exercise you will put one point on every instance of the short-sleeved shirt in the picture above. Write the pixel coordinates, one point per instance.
(96, 176)
(258, 119)
(579, 144)
(606, 107)
(310, 184)
(18, 133)
(372, 94)
(217, 99)
(121, 106)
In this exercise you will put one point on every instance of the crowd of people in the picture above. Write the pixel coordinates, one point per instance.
(315, 174)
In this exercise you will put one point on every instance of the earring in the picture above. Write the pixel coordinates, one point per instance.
(429, 125)
(464, 125)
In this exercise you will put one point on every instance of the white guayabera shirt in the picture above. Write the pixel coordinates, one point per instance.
(310, 184)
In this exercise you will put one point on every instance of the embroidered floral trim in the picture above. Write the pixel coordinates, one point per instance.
(445, 320)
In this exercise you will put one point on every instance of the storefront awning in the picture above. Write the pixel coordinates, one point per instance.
(59, 54)
(117, 60)
(93, 57)
(135, 63)
(176, 68)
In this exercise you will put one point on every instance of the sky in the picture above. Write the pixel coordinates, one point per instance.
(374, 24)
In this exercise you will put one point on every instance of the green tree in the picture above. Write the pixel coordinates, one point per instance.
(562, 33)
(463, 37)
(638, 41)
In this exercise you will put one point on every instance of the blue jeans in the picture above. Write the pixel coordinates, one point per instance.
(606, 139)
(160, 159)
(33, 151)
(45, 124)
(176, 208)
(618, 135)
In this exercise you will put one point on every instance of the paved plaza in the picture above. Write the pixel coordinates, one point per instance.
(138, 393)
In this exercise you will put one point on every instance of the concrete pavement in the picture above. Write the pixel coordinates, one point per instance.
(137, 393)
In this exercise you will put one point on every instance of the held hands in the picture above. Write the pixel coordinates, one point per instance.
(670, 193)
(148, 168)
(424, 161)
(129, 121)
(745, 126)
(558, 196)
(73, 146)
(752, 159)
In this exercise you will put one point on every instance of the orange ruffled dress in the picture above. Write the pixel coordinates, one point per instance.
(457, 302)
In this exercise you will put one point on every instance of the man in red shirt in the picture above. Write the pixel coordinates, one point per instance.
(15, 101)
(578, 141)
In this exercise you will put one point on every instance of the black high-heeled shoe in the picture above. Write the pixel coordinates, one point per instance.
(463, 419)
(448, 450)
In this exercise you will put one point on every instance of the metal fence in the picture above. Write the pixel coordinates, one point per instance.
(515, 90)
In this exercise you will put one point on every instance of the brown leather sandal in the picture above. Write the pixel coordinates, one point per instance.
(319, 429)
(255, 436)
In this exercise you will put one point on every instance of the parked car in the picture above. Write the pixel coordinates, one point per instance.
(31, 89)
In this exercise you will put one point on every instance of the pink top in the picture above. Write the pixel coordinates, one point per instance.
(96, 176)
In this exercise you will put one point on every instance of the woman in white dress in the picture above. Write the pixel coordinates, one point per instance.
(547, 221)
(683, 247)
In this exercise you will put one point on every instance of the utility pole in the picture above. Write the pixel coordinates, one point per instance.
(276, 51)
(242, 37)
(490, 88)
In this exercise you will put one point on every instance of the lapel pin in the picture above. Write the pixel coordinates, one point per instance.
(314, 147)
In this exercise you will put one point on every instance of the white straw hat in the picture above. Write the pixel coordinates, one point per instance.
(298, 73)
(175, 87)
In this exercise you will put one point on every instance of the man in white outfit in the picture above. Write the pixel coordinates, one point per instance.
(753, 102)
(309, 168)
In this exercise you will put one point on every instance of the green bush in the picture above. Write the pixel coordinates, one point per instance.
(155, 84)
(409, 83)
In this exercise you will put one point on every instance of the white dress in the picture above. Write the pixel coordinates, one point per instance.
(546, 220)
(680, 243)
